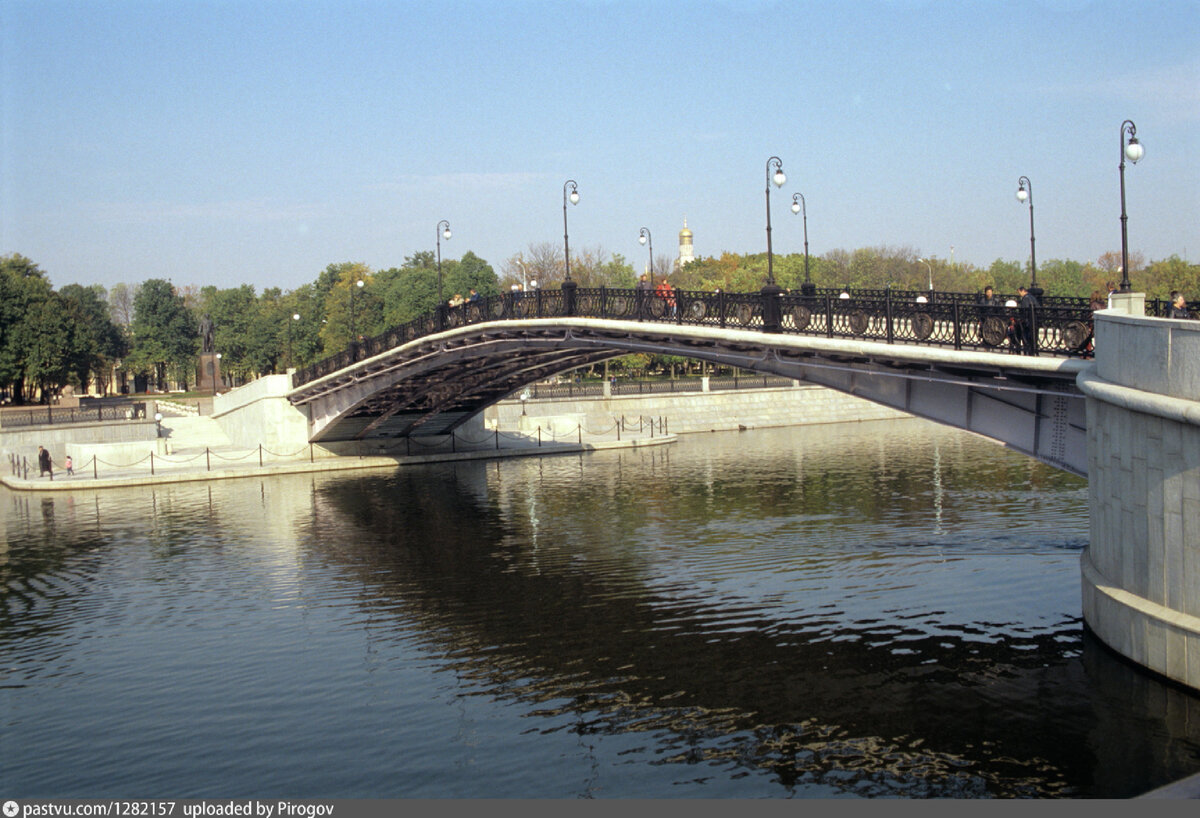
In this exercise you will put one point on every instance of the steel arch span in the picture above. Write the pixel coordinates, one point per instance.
(433, 384)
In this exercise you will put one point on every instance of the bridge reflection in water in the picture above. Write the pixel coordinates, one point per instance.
(882, 609)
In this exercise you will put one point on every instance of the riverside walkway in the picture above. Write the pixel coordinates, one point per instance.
(229, 462)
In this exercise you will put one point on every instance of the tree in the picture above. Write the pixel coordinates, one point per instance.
(120, 304)
(407, 293)
(164, 333)
(348, 314)
(472, 272)
(23, 290)
(96, 343)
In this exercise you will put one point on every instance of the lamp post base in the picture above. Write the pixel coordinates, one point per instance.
(771, 312)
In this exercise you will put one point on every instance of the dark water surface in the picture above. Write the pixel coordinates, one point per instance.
(882, 609)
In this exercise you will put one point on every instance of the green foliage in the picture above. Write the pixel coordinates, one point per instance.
(165, 332)
(469, 271)
(95, 342)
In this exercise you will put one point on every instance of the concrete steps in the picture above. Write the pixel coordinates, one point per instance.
(194, 434)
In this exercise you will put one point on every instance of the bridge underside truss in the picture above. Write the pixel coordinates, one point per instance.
(433, 385)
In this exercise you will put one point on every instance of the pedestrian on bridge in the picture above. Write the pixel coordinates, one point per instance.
(1179, 307)
(45, 464)
(1025, 330)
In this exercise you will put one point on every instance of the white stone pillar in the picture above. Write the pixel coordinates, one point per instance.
(1141, 570)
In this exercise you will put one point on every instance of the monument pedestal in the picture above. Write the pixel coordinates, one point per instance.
(208, 372)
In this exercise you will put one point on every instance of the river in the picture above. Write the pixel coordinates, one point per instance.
(885, 609)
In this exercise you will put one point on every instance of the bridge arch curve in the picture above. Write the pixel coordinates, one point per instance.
(433, 384)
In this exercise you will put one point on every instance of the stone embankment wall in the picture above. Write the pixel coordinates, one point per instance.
(80, 440)
(686, 412)
(1141, 570)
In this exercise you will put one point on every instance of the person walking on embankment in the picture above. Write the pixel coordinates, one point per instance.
(45, 464)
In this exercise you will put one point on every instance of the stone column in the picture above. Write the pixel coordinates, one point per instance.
(1141, 570)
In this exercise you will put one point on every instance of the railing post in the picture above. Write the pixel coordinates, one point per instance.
(957, 327)
(721, 307)
(260, 455)
(151, 464)
(95, 474)
(579, 433)
(891, 329)
(568, 292)
(207, 460)
(828, 316)
(310, 453)
(497, 431)
(539, 437)
(453, 442)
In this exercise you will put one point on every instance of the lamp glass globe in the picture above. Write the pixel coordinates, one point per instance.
(795, 207)
(1022, 194)
(574, 197)
(779, 178)
(642, 239)
(446, 233)
(1134, 150)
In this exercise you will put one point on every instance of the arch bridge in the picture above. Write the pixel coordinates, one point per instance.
(935, 355)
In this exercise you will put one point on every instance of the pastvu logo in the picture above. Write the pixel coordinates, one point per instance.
(11, 809)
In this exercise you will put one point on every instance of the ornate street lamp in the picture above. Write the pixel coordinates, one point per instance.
(1134, 150)
(568, 286)
(1024, 193)
(574, 197)
(799, 206)
(295, 318)
(358, 285)
(524, 276)
(644, 238)
(440, 234)
(778, 179)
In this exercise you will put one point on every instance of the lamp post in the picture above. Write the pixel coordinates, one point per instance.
(440, 234)
(568, 286)
(357, 285)
(1025, 192)
(295, 318)
(927, 264)
(524, 276)
(644, 237)
(799, 206)
(778, 179)
(574, 197)
(1134, 150)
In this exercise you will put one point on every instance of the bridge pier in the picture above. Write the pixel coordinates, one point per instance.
(1141, 570)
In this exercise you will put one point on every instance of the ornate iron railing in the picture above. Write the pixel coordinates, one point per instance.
(55, 415)
(1058, 326)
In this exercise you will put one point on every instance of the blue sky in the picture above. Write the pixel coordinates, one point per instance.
(228, 141)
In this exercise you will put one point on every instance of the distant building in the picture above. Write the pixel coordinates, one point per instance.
(685, 246)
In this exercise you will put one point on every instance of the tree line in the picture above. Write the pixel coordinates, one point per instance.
(86, 336)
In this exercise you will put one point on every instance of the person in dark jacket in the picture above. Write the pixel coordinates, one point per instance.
(45, 464)
(1179, 307)
(1024, 322)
